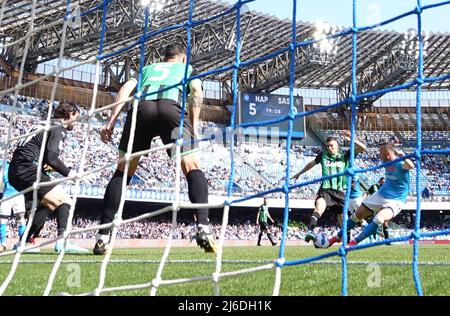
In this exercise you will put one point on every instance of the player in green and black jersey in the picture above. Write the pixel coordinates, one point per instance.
(159, 114)
(331, 194)
(261, 220)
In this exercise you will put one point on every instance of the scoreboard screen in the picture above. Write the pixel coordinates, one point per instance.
(258, 107)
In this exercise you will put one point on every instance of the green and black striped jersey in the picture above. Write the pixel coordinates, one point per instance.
(263, 213)
(332, 165)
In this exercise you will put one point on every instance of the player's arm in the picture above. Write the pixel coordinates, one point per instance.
(47, 168)
(122, 96)
(257, 217)
(268, 215)
(360, 147)
(52, 152)
(195, 100)
(407, 163)
(308, 167)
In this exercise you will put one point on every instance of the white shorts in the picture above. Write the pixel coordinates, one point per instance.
(376, 203)
(355, 203)
(16, 205)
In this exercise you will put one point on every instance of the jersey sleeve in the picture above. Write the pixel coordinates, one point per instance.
(318, 158)
(135, 77)
(54, 143)
(400, 166)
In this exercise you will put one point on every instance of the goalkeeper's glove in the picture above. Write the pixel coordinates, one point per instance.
(47, 168)
(89, 178)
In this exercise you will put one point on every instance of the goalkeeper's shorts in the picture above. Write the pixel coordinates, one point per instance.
(22, 175)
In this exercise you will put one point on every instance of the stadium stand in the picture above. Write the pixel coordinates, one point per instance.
(260, 166)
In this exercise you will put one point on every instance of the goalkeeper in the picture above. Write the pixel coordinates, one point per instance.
(24, 167)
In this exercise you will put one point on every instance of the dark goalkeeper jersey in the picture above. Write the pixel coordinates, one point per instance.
(29, 148)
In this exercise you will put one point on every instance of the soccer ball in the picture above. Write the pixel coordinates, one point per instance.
(321, 241)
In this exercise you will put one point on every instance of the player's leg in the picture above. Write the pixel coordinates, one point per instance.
(386, 232)
(198, 193)
(259, 238)
(370, 206)
(111, 201)
(59, 203)
(320, 206)
(261, 231)
(5, 213)
(385, 210)
(3, 232)
(40, 215)
(197, 187)
(23, 175)
(18, 208)
(354, 204)
(380, 218)
(335, 201)
(270, 238)
(362, 212)
(113, 193)
(169, 126)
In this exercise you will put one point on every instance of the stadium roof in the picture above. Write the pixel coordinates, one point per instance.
(385, 58)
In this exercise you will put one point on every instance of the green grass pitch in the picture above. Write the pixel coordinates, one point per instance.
(309, 279)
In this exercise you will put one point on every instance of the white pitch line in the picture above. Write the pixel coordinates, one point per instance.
(328, 262)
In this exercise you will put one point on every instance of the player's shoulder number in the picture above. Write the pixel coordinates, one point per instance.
(162, 72)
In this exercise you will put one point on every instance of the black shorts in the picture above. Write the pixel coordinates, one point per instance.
(22, 175)
(263, 226)
(333, 198)
(158, 118)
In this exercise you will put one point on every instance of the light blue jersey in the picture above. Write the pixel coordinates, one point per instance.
(355, 191)
(397, 183)
(8, 188)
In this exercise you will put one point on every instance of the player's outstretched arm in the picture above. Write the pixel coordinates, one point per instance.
(360, 147)
(408, 164)
(195, 101)
(52, 152)
(122, 96)
(308, 167)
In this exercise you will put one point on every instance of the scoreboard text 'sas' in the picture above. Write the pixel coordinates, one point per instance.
(259, 107)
